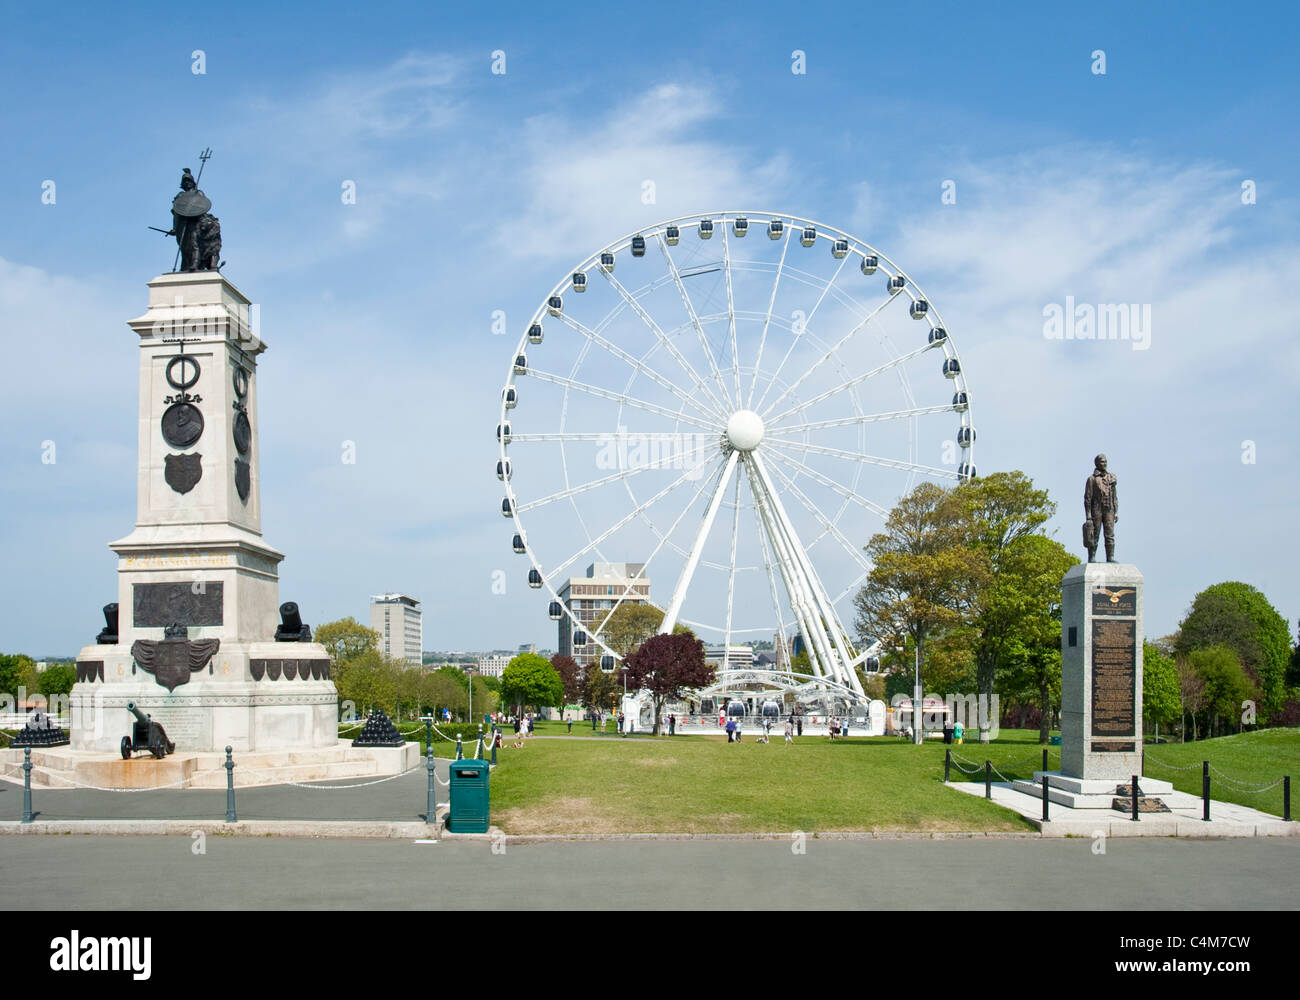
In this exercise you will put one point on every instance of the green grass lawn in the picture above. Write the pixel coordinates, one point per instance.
(1238, 763)
(705, 785)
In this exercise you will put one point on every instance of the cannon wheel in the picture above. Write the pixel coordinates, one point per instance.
(158, 750)
(126, 748)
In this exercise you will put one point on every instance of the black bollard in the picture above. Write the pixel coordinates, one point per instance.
(431, 806)
(1286, 798)
(947, 765)
(478, 751)
(495, 733)
(230, 788)
(988, 779)
(1044, 758)
(27, 784)
(1205, 790)
(1045, 816)
(460, 751)
(1135, 798)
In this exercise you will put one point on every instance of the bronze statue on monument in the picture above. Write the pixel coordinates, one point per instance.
(1101, 506)
(197, 232)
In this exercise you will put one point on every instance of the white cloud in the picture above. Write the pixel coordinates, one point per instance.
(583, 182)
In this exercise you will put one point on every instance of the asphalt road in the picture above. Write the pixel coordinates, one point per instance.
(107, 872)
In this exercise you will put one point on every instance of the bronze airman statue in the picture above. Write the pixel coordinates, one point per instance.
(1101, 506)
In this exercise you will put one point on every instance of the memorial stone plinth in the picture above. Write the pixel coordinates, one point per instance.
(1101, 672)
(198, 588)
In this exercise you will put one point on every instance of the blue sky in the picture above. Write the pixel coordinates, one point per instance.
(476, 192)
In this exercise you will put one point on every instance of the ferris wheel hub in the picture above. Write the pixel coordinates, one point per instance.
(744, 430)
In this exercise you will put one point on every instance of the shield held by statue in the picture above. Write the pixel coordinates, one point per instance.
(183, 472)
(190, 204)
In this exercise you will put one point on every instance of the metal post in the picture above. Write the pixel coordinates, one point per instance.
(478, 752)
(431, 807)
(918, 726)
(27, 784)
(1044, 759)
(495, 731)
(460, 752)
(1205, 790)
(1286, 798)
(947, 764)
(1045, 816)
(230, 788)
(1135, 798)
(988, 779)
(428, 733)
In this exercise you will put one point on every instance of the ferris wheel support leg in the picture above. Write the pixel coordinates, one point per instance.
(795, 581)
(684, 581)
(841, 668)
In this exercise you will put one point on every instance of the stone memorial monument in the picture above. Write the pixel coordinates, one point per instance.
(1101, 664)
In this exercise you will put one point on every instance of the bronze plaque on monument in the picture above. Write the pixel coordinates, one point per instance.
(1114, 678)
(1120, 602)
(157, 605)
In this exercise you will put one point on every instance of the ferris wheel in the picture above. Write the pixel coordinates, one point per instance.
(728, 405)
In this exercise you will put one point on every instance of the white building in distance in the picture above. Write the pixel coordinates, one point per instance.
(400, 624)
(494, 664)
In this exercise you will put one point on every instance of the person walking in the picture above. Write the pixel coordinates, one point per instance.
(789, 731)
(731, 731)
(620, 723)
(798, 724)
(570, 723)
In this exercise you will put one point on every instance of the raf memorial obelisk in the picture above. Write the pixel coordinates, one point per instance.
(1101, 649)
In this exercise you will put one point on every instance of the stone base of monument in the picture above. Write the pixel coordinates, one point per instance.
(65, 767)
(1085, 793)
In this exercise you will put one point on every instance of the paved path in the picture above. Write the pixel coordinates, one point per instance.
(66, 873)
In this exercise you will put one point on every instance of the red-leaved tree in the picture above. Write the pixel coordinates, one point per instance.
(570, 676)
(666, 666)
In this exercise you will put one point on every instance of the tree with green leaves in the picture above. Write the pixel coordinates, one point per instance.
(16, 670)
(600, 689)
(1191, 693)
(1226, 684)
(1002, 516)
(1160, 695)
(346, 639)
(925, 579)
(57, 678)
(530, 680)
(1238, 616)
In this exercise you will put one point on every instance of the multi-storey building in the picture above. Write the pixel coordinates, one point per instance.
(594, 596)
(399, 622)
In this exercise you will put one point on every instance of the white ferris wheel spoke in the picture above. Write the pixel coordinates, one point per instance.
(611, 348)
(887, 463)
(771, 302)
(829, 354)
(663, 539)
(771, 577)
(666, 437)
(860, 418)
(731, 325)
(619, 397)
(664, 462)
(843, 386)
(626, 520)
(794, 340)
(779, 456)
(825, 522)
(659, 333)
(695, 322)
(839, 650)
(693, 560)
(731, 578)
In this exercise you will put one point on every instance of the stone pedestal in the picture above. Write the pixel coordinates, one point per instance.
(1101, 672)
(195, 568)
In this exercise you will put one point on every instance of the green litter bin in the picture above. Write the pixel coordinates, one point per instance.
(1054, 741)
(469, 796)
